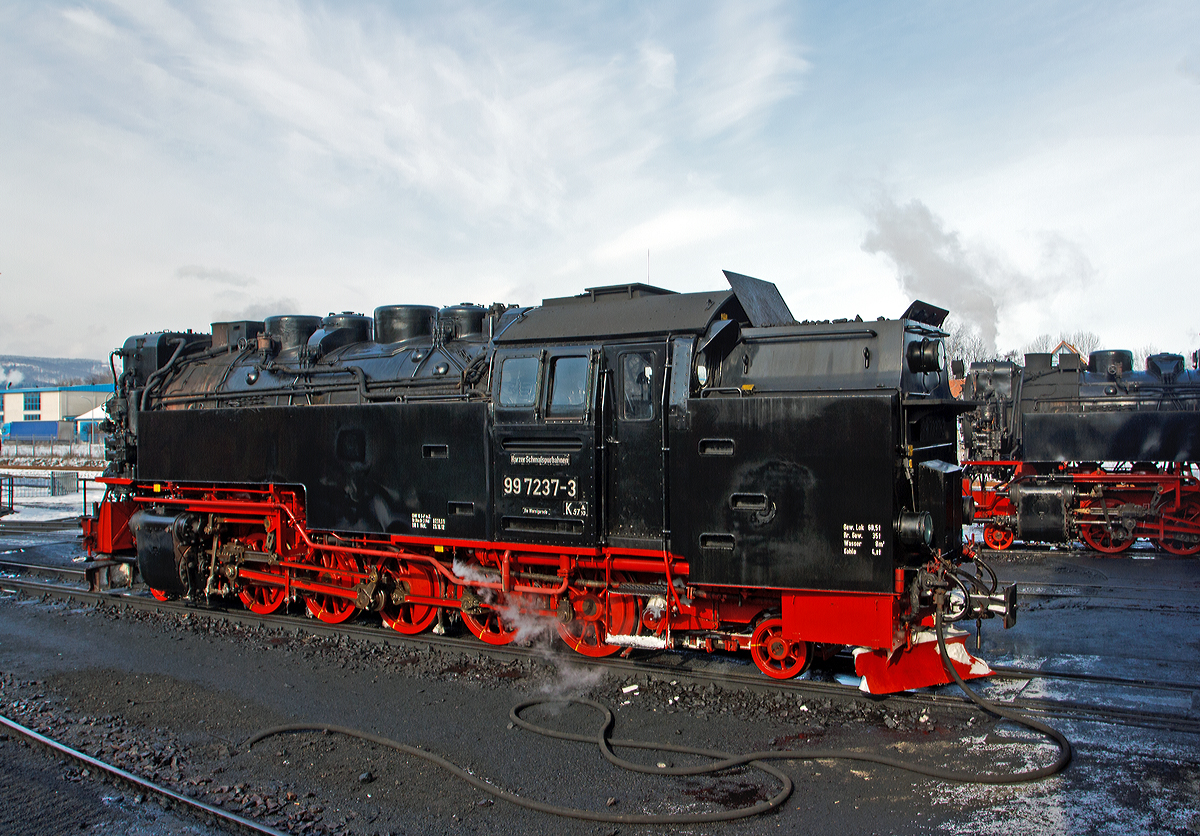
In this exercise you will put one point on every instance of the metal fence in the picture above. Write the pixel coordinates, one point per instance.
(58, 483)
(16, 487)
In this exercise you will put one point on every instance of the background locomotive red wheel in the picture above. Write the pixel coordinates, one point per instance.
(1177, 544)
(997, 538)
(489, 627)
(159, 595)
(596, 614)
(1103, 540)
(412, 579)
(333, 609)
(261, 599)
(777, 657)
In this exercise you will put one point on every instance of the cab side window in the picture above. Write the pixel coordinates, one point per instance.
(637, 386)
(568, 387)
(518, 381)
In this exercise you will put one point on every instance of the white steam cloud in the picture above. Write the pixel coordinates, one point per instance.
(539, 631)
(975, 282)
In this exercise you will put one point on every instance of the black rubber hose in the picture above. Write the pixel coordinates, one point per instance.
(722, 760)
(602, 738)
(1064, 745)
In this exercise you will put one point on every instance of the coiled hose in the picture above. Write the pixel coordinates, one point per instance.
(602, 737)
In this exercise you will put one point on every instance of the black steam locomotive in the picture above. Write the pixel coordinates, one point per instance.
(636, 467)
(1096, 452)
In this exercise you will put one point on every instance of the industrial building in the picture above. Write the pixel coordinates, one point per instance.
(49, 411)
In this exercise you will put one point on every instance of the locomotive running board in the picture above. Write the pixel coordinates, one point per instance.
(918, 666)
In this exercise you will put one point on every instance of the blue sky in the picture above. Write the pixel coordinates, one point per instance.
(1034, 167)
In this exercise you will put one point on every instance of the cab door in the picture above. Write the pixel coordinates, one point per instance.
(634, 502)
(544, 438)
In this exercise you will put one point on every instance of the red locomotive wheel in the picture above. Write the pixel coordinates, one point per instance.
(159, 595)
(262, 599)
(333, 609)
(592, 620)
(489, 627)
(997, 538)
(412, 579)
(1104, 540)
(777, 657)
(1180, 544)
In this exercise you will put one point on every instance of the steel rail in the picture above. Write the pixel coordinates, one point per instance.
(61, 571)
(623, 667)
(139, 782)
(40, 526)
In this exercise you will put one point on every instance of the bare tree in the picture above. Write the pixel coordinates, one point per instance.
(1085, 341)
(1040, 344)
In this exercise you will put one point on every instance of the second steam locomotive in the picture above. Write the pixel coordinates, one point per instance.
(1092, 451)
(637, 467)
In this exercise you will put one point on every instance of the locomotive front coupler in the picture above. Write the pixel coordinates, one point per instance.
(966, 596)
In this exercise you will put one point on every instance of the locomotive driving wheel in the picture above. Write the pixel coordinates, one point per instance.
(1106, 539)
(261, 599)
(412, 578)
(333, 609)
(997, 538)
(777, 657)
(595, 613)
(1181, 544)
(488, 626)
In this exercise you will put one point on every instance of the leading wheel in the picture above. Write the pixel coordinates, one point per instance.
(1183, 544)
(262, 599)
(1110, 539)
(489, 627)
(596, 613)
(777, 657)
(333, 609)
(997, 538)
(412, 578)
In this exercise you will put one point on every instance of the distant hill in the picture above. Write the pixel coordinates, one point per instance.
(29, 372)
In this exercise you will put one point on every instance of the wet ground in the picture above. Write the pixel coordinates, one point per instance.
(175, 698)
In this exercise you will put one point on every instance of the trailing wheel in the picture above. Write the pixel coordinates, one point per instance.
(997, 538)
(777, 657)
(333, 609)
(262, 599)
(1183, 544)
(593, 614)
(412, 578)
(1111, 539)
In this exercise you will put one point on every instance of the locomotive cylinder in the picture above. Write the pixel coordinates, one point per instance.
(166, 546)
(1042, 511)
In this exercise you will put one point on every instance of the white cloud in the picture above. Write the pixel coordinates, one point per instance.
(671, 230)
(217, 275)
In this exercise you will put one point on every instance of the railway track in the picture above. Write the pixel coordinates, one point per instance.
(163, 794)
(675, 665)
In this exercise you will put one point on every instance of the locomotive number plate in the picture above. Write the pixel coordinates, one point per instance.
(534, 486)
